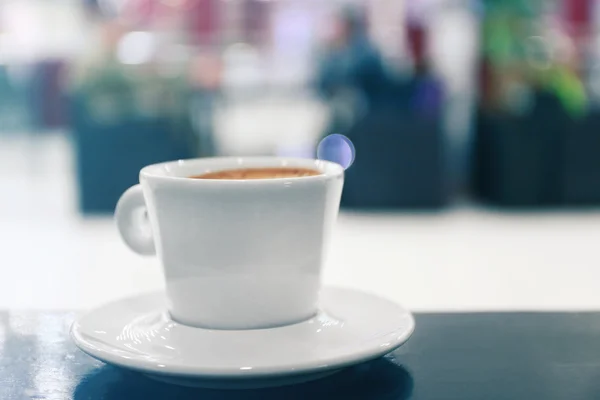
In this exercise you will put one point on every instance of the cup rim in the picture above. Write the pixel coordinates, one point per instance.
(172, 170)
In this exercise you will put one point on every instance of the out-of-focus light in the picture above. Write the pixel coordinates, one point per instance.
(565, 49)
(337, 148)
(540, 53)
(239, 48)
(136, 48)
(242, 67)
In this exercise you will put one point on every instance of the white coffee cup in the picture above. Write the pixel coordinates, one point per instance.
(237, 254)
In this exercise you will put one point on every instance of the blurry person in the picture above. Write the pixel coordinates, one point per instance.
(351, 75)
(426, 90)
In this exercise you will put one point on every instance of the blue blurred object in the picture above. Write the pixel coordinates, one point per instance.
(15, 111)
(428, 96)
(351, 73)
(337, 148)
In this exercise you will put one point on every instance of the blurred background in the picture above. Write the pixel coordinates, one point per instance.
(476, 126)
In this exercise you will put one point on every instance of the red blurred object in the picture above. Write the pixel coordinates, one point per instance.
(417, 42)
(577, 16)
(486, 82)
(204, 21)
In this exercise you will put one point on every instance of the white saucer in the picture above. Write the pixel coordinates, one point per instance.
(137, 334)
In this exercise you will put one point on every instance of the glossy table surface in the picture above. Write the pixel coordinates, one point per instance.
(451, 356)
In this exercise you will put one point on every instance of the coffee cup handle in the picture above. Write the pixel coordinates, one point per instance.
(132, 221)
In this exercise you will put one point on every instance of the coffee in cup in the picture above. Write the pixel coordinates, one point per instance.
(242, 246)
(259, 173)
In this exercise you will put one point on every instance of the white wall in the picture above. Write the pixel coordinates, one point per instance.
(35, 29)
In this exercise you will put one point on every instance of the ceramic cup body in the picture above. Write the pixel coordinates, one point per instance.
(237, 254)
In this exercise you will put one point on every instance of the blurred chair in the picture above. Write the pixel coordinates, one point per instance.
(581, 175)
(399, 162)
(518, 158)
(109, 155)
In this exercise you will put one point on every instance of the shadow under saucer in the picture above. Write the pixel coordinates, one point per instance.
(379, 379)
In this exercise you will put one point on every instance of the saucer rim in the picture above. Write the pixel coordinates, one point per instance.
(190, 371)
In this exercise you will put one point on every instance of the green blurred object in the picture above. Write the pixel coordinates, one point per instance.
(520, 50)
(115, 91)
(523, 8)
(569, 89)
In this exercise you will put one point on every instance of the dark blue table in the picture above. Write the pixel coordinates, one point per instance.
(491, 356)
